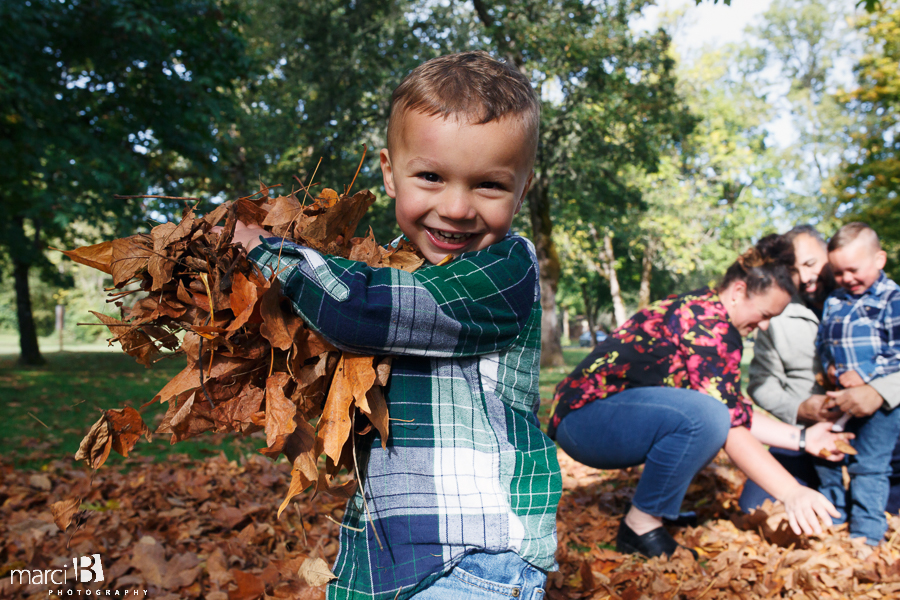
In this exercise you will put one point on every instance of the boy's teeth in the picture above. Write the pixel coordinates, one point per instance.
(451, 236)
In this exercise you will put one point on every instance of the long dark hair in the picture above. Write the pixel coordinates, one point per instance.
(768, 263)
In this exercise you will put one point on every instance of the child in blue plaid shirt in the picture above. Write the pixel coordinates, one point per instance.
(463, 497)
(859, 340)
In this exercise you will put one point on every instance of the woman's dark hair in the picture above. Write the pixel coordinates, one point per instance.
(768, 262)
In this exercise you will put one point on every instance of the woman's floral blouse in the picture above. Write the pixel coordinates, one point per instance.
(684, 341)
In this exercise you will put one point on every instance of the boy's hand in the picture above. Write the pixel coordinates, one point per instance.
(851, 379)
(246, 235)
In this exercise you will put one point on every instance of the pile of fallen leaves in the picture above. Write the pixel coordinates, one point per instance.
(741, 556)
(252, 364)
(205, 529)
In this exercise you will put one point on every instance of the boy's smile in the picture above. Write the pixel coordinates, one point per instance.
(457, 185)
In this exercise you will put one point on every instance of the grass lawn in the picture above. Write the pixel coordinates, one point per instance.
(46, 411)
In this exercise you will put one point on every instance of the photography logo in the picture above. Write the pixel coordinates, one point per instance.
(88, 569)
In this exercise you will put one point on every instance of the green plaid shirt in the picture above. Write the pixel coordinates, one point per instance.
(466, 467)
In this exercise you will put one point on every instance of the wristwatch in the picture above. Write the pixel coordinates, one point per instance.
(802, 444)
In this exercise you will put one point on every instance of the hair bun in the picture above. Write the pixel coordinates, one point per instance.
(752, 259)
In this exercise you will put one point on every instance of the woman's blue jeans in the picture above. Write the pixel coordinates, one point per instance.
(673, 432)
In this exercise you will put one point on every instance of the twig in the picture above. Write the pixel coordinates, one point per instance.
(266, 189)
(200, 360)
(120, 197)
(302, 528)
(362, 158)
(362, 484)
(38, 420)
(358, 529)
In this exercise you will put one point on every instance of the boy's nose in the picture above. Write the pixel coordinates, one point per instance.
(457, 206)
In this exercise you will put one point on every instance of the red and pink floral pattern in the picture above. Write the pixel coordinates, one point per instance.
(684, 341)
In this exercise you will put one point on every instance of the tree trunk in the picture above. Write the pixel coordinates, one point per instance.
(646, 273)
(608, 260)
(564, 315)
(548, 261)
(28, 343)
(589, 313)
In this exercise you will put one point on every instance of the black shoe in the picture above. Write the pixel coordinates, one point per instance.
(685, 519)
(653, 543)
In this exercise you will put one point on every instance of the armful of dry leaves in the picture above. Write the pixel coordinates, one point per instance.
(252, 364)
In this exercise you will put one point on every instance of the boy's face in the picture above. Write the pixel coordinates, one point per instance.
(457, 185)
(857, 265)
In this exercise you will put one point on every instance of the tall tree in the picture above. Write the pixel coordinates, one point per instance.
(869, 179)
(100, 97)
(609, 101)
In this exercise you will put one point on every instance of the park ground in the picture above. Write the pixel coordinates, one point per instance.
(199, 520)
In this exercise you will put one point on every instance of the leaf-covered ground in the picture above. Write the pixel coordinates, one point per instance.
(207, 529)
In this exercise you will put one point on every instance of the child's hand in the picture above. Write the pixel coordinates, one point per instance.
(851, 379)
(822, 442)
(245, 235)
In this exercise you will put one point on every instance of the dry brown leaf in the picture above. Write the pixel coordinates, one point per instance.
(315, 571)
(845, 447)
(280, 410)
(352, 379)
(126, 428)
(134, 342)
(95, 446)
(97, 256)
(130, 256)
(63, 511)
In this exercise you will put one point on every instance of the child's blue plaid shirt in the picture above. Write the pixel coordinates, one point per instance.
(467, 467)
(862, 333)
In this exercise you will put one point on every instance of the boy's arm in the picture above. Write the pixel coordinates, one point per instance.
(476, 304)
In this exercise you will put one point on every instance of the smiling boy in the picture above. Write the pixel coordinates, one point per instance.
(463, 497)
(858, 341)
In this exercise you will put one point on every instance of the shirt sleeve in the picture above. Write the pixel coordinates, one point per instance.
(823, 347)
(888, 360)
(711, 349)
(889, 388)
(477, 304)
(768, 380)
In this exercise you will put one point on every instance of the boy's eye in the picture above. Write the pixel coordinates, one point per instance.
(492, 185)
(429, 177)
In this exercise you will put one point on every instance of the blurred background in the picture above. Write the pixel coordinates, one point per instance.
(674, 133)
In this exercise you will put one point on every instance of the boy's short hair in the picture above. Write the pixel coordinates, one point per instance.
(850, 232)
(473, 85)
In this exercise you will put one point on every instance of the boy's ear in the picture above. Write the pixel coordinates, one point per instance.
(524, 192)
(387, 173)
(880, 259)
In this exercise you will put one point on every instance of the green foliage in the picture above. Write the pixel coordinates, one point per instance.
(869, 181)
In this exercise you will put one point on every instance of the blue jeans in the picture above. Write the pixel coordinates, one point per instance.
(485, 576)
(673, 432)
(870, 471)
